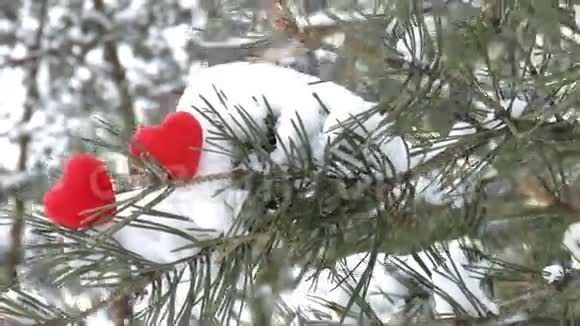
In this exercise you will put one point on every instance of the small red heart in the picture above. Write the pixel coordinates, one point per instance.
(85, 185)
(175, 144)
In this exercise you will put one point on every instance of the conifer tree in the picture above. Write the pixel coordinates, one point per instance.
(286, 162)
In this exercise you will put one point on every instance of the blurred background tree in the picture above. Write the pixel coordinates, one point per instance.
(66, 66)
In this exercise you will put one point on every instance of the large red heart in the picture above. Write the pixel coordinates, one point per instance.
(85, 185)
(175, 144)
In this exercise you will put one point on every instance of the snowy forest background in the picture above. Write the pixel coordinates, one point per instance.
(68, 66)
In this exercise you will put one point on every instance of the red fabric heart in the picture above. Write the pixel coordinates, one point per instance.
(175, 144)
(85, 185)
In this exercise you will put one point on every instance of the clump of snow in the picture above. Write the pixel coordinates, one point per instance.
(11, 107)
(10, 154)
(571, 242)
(326, 110)
(286, 92)
(204, 215)
(414, 39)
(452, 275)
(176, 37)
(458, 271)
(99, 318)
(554, 273)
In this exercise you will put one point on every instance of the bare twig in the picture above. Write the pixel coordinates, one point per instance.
(122, 310)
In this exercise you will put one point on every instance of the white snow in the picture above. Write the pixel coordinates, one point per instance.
(100, 318)
(388, 288)
(176, 38)
(200, 204)
(290, 93)
(286, 91)
(571, 242)
(553, 273)
(11, 109)
(415, 39)
(436, 190)
(10, 152)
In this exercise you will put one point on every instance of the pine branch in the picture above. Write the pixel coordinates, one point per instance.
(304, 212)
(119, 295)
(534, 189)
(537, 296)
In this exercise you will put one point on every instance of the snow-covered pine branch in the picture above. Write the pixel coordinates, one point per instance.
(298, 173)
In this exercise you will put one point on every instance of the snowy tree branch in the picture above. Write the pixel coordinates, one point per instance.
(533, 299)
(119, 295)
(118, 74)
(24, 143)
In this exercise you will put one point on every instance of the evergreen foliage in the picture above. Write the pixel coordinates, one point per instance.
(507, 181)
